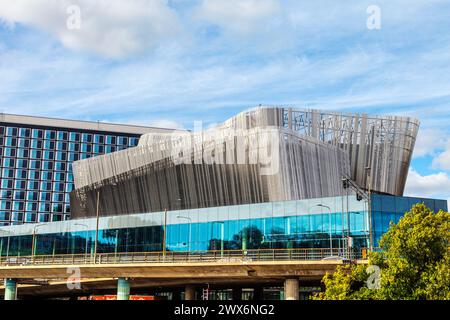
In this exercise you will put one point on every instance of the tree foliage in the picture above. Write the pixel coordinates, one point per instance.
(414, 260)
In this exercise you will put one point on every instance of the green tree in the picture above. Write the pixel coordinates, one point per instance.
(414, 261)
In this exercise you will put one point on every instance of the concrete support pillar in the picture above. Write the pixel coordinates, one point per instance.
(123, 289)
(291, 289)
(10, 289)
(189, 292)
(237, 294)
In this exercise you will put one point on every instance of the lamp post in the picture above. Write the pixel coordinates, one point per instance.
(165, 231)
(33, 241)
(369, 205)
(329, 223)
(96, 226)
(7, 244)
(86, 245)
(190, 230)
(222, 235)
(164, 234)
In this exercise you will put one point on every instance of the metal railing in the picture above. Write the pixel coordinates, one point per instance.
(212, 256)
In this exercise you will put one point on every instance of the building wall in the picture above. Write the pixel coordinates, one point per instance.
(151, 177)
(284, 224)
(387, 208)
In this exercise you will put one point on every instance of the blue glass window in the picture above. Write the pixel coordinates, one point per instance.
(7, 184)
(36, 133)
(47, 165)
(69, 187)
(35, 164)
(18, 205)
(46, 186)
(9, 152)
(44, 196)
(86, 137)
(10, 142)
(8, 163)
(32, 195)
(61, 146)
(61, 156)
(49, 155)
(60, 166)
(8, 173)
(59, 176)
(33, 185)
(44, 207)
(98, 138)
(24, 132)
(132, 142)
(22, 153)
(35, 154)
(58, 186)
(46, 175)
(73, 156)
(21, 174)
(11, 131)
(5, 194)
(50, 134)
(74, 136)
(23, 143)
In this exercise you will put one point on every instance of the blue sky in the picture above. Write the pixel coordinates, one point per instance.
(169, 63)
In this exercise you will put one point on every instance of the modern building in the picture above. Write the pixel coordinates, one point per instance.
(260, 155)
(309, 223)
(36, 156)
(276, 183)
(266, 178)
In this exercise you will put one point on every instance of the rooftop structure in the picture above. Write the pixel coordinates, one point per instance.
(260, 155)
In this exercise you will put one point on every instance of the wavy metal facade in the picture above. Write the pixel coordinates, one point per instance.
(260, 155)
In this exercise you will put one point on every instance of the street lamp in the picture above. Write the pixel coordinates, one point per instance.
(329, 223)
(7, 245)
(222, 235)
(98, 220)
(369, 206)
(33, 242)
(87, 227)
(165, 232)
(190, 230)
(96, 226)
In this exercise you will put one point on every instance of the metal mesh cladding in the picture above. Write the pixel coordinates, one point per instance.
(264, 154)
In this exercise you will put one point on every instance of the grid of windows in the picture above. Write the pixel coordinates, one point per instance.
(36, 168)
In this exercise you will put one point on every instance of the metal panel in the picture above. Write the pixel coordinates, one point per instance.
(312, 150)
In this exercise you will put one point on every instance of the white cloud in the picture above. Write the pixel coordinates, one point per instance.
(239, 16)
(442, 161)
(165, 123)
(112, 28)
(433, 185)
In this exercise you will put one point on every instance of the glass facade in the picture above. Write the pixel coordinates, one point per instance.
(288, 224)
(35, 168)
(391, 208)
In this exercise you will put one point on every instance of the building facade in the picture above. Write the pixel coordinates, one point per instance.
(266, 178)
(309, 223)
(36, 156)
(261, 155)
